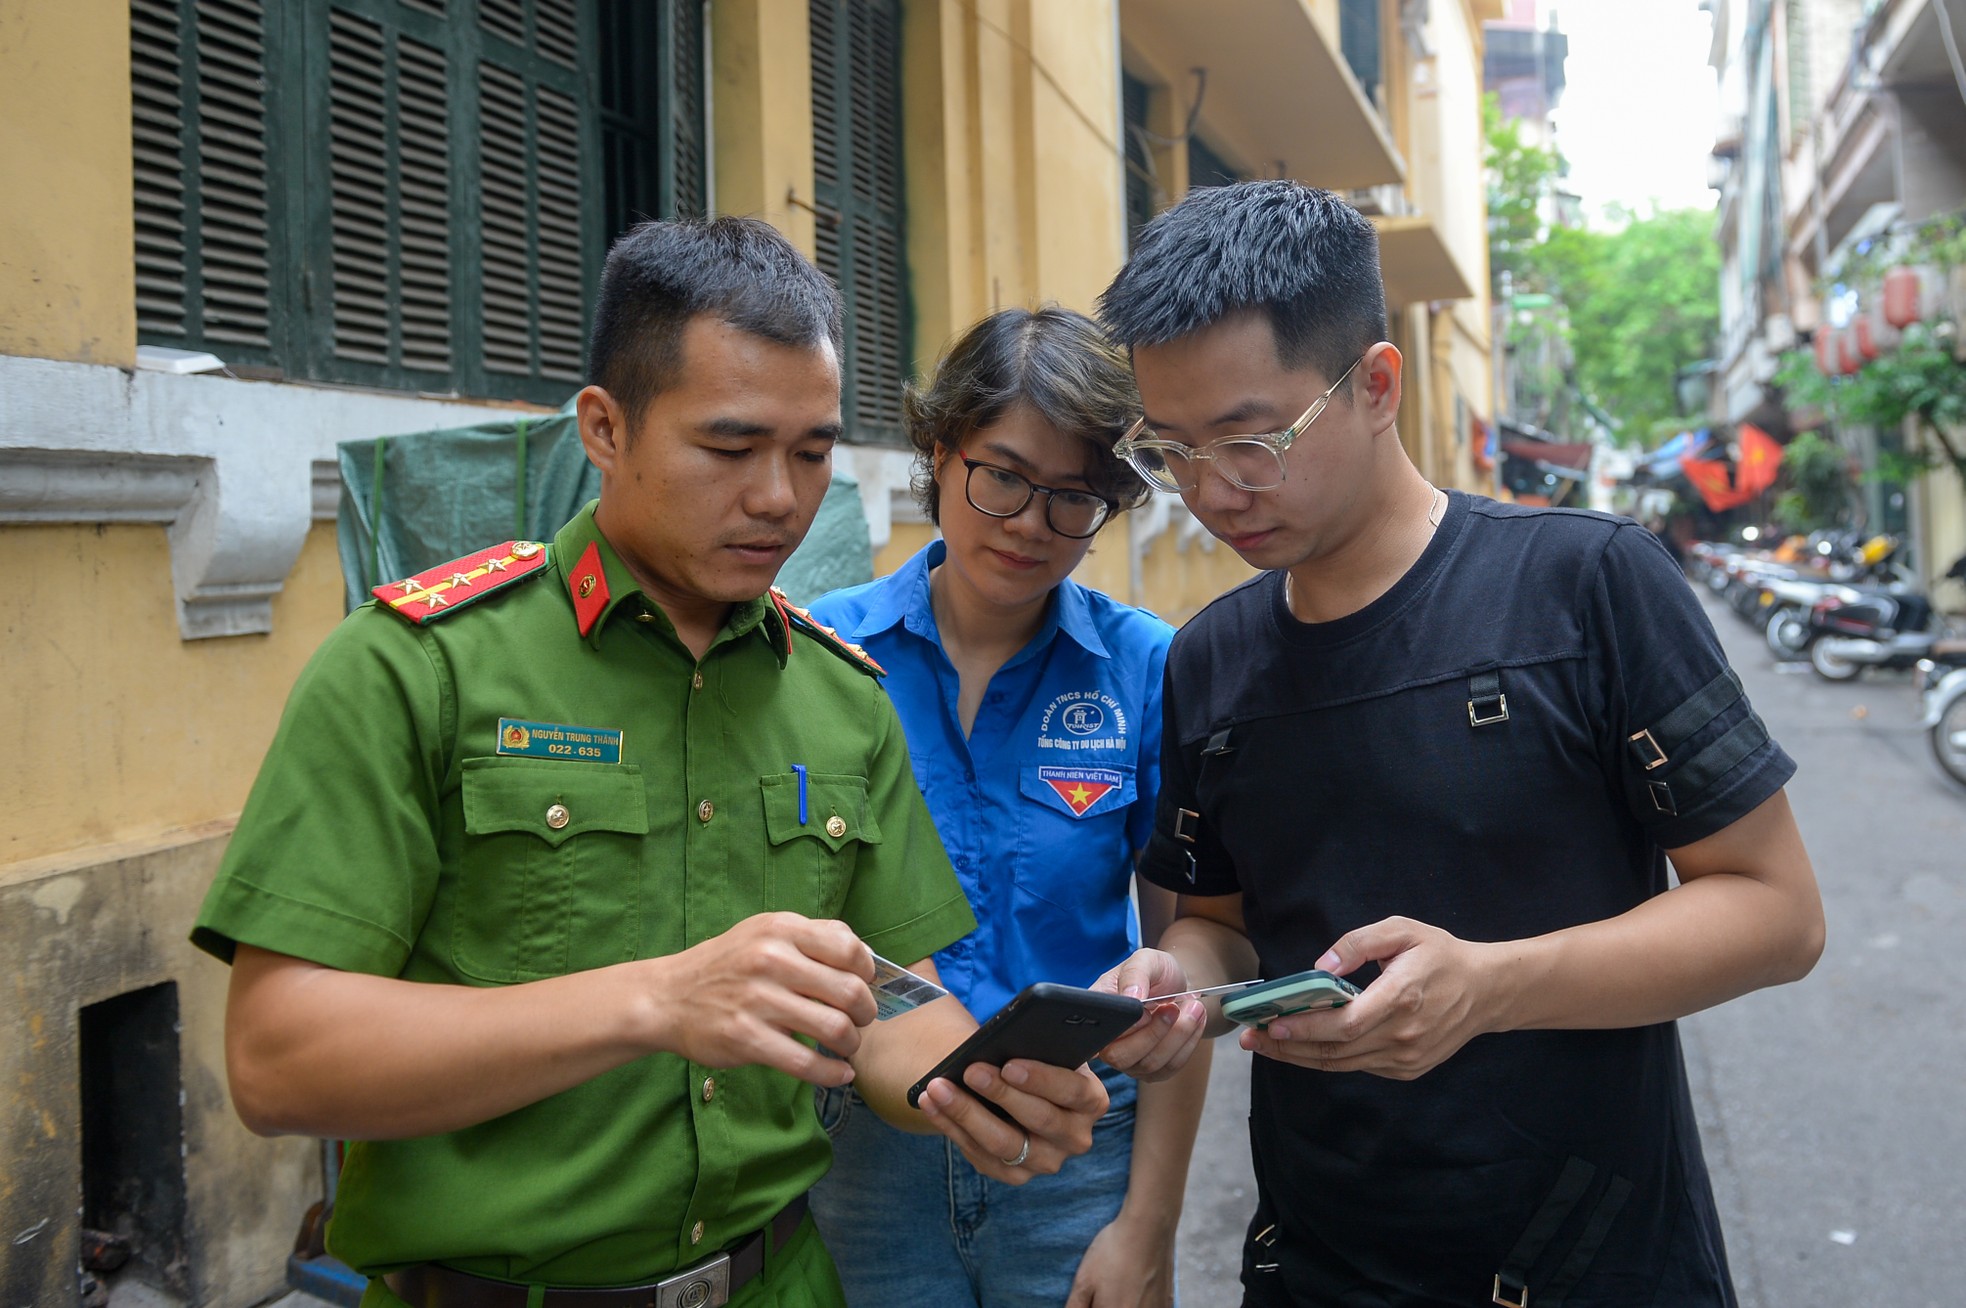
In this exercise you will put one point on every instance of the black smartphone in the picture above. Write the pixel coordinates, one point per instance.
(1045, 1023)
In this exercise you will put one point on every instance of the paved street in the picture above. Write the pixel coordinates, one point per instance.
(1832, 1109)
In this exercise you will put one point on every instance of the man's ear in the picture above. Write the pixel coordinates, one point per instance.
(1381, 373)
(603, 428)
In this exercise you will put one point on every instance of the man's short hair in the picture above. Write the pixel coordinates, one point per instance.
(1053, 361)
(1302, 257)
(661, 274)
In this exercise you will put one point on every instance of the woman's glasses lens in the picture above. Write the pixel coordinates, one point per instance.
(1002, 493)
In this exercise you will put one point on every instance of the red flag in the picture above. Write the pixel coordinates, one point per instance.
(1709, 477)
(1761, 459)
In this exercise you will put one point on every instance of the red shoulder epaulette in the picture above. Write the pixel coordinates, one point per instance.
(791, 615)
(450, 586)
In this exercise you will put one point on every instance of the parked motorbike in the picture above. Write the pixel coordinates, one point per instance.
(1889, 627)
(1945, 719)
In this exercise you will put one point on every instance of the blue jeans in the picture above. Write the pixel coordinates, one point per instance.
(911, 1224)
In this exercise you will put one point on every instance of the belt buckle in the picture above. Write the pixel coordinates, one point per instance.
(706, 1285)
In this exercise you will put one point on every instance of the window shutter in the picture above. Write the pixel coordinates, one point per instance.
(688, 141)
(1207, 168)
(198, 133)
(1139, 177)
(857, 144)
(389, 198)
(651, 111)
(532, 214)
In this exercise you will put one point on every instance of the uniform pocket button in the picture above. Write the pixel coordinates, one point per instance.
(705, 811)
(557, 816)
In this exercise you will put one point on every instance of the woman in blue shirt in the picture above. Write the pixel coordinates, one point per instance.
(1032, 708)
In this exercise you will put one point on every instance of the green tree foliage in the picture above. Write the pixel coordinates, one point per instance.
(1818, 474)
(1519, 179)
(1919, 378)
(1643, 303)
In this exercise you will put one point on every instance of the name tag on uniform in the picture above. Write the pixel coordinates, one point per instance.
(558, 740)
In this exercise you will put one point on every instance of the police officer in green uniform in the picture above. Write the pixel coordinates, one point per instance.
(558, 887)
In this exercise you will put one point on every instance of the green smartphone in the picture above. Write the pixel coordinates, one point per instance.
(1300, 992)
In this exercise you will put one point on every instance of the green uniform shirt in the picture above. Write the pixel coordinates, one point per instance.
(387, 833)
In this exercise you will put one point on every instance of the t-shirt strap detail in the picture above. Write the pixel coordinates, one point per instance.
(1573, 1186)
(444, 589)
(792, 616)
(1716, 760)
(1220, 743)
(1653, 747)
(1487, 705)
(587, 587)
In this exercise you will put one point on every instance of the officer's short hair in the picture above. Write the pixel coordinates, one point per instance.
(1051, 359)
(1302, 257)
(659, 275)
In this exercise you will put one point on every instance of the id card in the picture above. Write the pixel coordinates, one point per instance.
(897, 990)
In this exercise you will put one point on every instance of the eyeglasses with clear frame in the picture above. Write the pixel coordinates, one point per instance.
(1001, 493)
(1255, 463)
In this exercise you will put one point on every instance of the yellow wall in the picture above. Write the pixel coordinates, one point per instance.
(120, 730)
(1012, 159)
(67, 235)
(761, 100)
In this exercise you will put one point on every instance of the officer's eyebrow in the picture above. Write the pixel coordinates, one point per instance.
(741, 427)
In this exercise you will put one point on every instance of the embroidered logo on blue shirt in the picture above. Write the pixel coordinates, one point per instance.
(1083, 719)
(1080, 788)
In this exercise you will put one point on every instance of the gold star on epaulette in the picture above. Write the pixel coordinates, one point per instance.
(460, 579)
(412, 586)
(436, 599)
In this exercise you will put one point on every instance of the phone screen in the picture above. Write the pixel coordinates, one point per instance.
(1046, 1023)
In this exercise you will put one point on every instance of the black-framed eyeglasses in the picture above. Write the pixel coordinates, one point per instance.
(1001, 493)
(1254, 463)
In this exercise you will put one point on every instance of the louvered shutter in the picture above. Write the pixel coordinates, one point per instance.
(391, 267)
(531, 201)
(1139, 178)
(1207, 168)
(204, 213)
(856, 112)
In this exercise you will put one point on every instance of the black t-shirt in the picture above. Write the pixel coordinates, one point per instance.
(1502, 745)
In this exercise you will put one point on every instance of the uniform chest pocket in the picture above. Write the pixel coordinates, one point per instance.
(1071, 847)
(550, 871)
(814, 828)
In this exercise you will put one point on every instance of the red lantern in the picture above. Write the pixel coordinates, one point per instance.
(1826, 360)
(1862, 338)
(1902, 293)
(1846, 347)
(1882, 333)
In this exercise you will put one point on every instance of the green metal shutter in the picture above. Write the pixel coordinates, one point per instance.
(533, 212)
(652, 127)
(206, 216)
(1207, 168)
(391, 266)
(857, 181)
(1134, 95)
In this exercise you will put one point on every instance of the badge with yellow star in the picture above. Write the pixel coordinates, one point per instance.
(1080, 788)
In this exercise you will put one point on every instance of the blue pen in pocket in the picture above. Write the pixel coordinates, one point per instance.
(800, 769)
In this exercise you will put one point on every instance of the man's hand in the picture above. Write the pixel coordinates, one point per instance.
(1164, 1039)
(1129, 1264)
(1430, 999)
(1055, 1108)
(744, 996)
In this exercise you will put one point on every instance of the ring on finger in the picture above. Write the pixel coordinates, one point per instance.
(1022, 1154)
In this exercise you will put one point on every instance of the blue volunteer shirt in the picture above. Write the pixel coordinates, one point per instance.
(1044, 806)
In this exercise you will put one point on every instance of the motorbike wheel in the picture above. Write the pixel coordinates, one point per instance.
(1949, 741)
(1787, 634)
(1830, 666)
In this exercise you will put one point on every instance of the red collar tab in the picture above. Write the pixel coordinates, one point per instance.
(587, 583)
(451, 586)
(794, 616)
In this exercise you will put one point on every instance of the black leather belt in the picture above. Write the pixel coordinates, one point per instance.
(708, 1284)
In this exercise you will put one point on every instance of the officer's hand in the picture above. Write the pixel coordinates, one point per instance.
(1428, 1001)
(742, 997)
(1165, 1037)
(1055, 1108)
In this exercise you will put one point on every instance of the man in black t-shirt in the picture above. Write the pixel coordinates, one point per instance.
(1445, 747)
